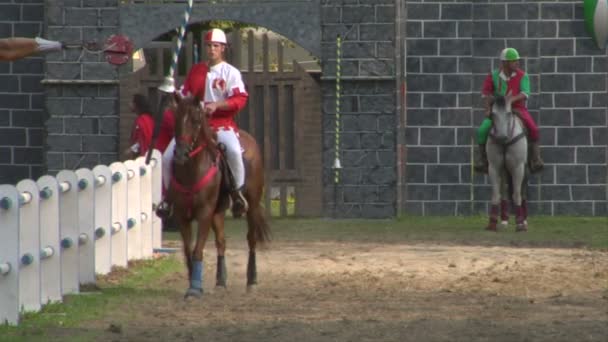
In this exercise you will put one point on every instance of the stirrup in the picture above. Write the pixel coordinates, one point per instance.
(164, 210)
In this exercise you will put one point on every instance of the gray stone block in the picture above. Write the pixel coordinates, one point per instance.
(415, 174)
(107, 158)
(465, 136)
(465, 29)
(64, 143)
(456, 83)
(487, 47)
(358, 14)
(573, 136)
(542, 29)
(425, 155)
(411, 136)
(455, 155)
(465, 65)
(57, 106)
(547, 136)
(554, 10)
(556, 47)
(489, 11)
(524, 11)
(439, 29)
(99, 107)
(572, 100)
(413, 208)
(599, 100)
(455, 47)
(35, 137)
(456, 11)
(10, 12)
(454, 192)
(455, 117)
(437, 136)
(26, 29)
(591, 155)
(5, 117)
(385, 51)
(590, 117)
(81, 126)
(27, 118)
(99, 143)
(15, 101)
(590, 82)
(422, 192)
(31, 65)
(442, 174)
(554, 193)
(571, 174)
(78, 160)
(385, 14)
(600, 64)
(28, 155)
(96, 3)
(557, 82)
(546, 101)
(423, 82)
(436, 65)
(9, 83)
(439, 100)
(377, 103)
(381, 176)
(13, 137)
(600, 208)
(508, 29)
(573, 208)
(108, 17)
(376, 68)
(414, 29)
(555, 117)
(480, 29)
(600, 136)
(422, 47)
(99, 71)
(573, 64)
(348, 141)
(482, 192)
(558, 155)
(64, 71)
(597, 174)
(426, 11)
(439, 208)
(81, 17)
(414, 100)
(481, 65)
(571, 29)
(375, 32)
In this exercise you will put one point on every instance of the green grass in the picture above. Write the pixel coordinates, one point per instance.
(89, 306)
(544, 231)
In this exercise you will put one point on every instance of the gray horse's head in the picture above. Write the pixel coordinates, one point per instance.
(501, 119)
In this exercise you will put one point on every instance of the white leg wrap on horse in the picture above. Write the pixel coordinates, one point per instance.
(167, 161)
(234, 155)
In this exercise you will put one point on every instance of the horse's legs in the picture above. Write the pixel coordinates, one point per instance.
(518, 177)
(220, 245)
(186, 232)
(505, 195)
(196, 276)
(495, 178)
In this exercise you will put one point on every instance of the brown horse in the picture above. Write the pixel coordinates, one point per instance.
(199, 192)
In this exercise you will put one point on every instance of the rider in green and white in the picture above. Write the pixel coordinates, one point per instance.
(510, 81)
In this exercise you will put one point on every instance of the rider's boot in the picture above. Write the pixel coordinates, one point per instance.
(239, 203)
(534, 160)
(481, 162)
(164, 210)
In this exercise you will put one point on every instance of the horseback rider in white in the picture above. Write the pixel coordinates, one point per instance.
(220, 87)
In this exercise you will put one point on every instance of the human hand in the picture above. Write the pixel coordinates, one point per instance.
(210, 108)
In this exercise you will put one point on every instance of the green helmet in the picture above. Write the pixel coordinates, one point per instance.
(509, 54)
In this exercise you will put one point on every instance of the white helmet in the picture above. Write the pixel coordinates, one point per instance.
(215, 36)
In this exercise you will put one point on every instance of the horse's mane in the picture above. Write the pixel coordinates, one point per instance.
(205, 135)
(500, 102)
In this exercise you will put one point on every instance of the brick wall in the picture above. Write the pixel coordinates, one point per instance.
(81, 89)
(367, 150)
(451, 46)
(21, 96)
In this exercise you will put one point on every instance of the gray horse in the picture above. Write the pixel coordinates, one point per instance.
(507, 150)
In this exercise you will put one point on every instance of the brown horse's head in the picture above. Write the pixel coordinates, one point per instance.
(192, 131)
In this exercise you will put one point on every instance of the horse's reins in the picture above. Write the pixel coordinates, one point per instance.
(189, 192)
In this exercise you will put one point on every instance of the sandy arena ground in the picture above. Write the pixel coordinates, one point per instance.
(372, 292)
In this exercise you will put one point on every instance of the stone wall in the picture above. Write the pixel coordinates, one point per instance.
(368, 178)
(81, 88)
(21, 96)
(451, 46)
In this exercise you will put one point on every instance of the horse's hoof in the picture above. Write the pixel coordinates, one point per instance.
(195, 293)
(251, 288)
(504, 224)
(521, 227)
(221, 286)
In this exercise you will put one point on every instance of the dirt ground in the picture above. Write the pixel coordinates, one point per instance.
(373, 292)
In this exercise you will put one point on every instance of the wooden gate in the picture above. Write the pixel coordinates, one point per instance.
(283, 114)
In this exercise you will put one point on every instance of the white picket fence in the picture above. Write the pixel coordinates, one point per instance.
(57, 233)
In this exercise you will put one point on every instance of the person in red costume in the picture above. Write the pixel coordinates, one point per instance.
(220, 87)
(141, 134)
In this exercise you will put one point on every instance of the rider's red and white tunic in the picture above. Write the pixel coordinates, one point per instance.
(221, 82)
